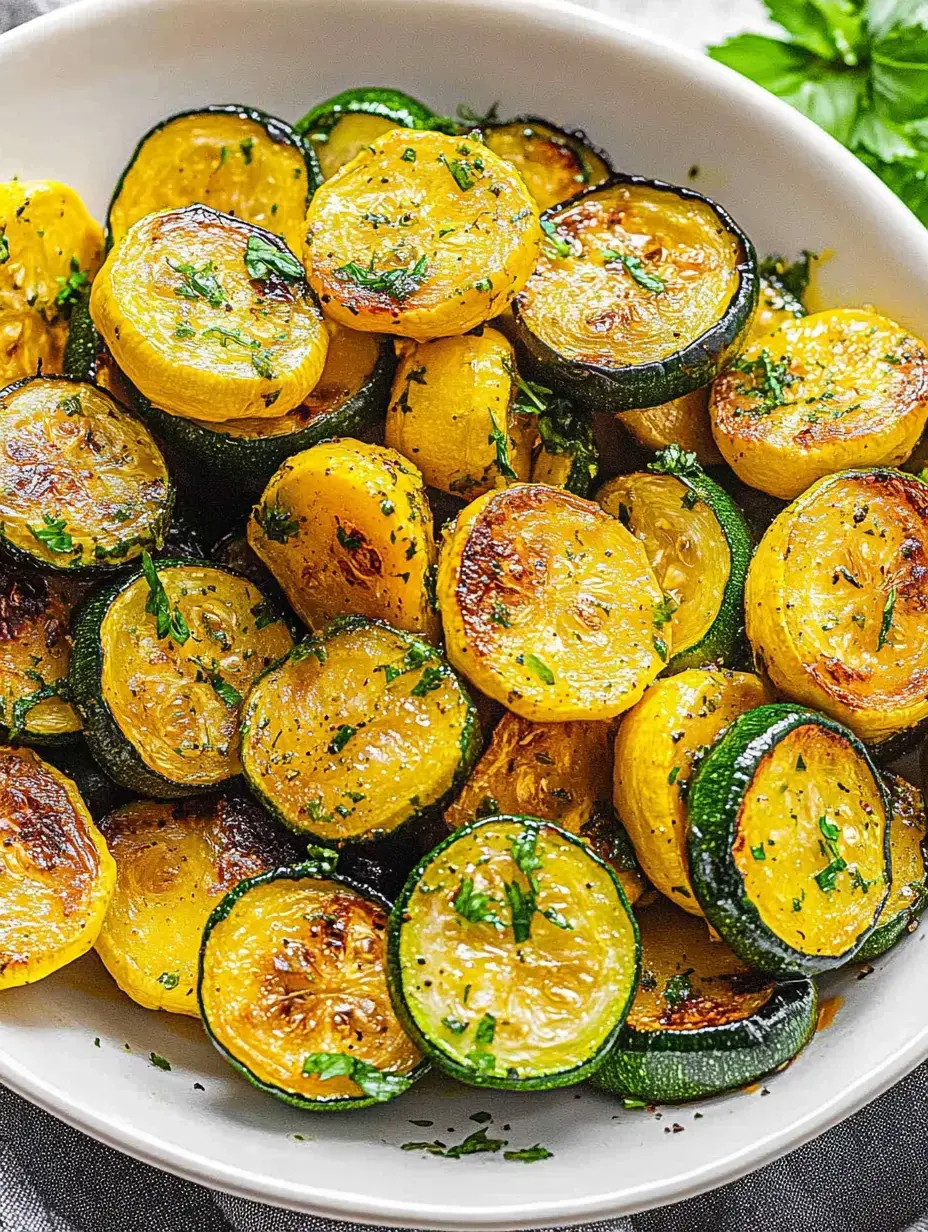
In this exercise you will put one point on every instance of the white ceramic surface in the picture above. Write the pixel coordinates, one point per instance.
(76, 89)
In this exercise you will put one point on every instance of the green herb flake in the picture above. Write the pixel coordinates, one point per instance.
(500, 615)
(159, 1062)
(169, 620)
(276, 522)
(4, 248)
(556, 248)
(409, 155)
(461, 172)
(341, 738)
(69, 288)
(678, 988)
(663, 611)
(398, 284)
(758, 852)
(634, 266)
(499, 438)
(377, 1084)
(53, 534)
(529, 1154)
(169, 979)
(183, 330)
(486, 1030)
(454, 1025)
(660, 647)
(539, 669)
(350, 542)
(263, 259)
(227, 693)
(387, 507)
(474, 906)
(70, 405)
(247, 148)
(886, 622)
(199, 283)
(672, 776)
(430, 679)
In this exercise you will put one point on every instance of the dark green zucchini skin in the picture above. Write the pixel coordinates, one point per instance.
(100, 793)
(239, 468)
(109, 746)
(885, 936)
(295, 872)
(433, 1049)
(639, 386)
(671, 1066)
(96, 568)
(83, 345)
(402, 109)
(713, 804)
(278, 130)
(724, 639)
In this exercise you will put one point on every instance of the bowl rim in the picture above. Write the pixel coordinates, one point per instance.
(662, 54)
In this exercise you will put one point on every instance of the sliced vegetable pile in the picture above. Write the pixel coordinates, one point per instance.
(506, 621)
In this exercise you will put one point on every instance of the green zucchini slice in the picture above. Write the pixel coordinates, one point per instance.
(908, 887)
(568, 456)
(641, 294)
(701, 1022)
(293, 991)
(35, 653)
(357, 733)
(339, 128)
(236, 159)
(789, 840)
(555, 164)
(83, 486)
(160, 667)
(513, 955)
(698, 545)
(239, 456)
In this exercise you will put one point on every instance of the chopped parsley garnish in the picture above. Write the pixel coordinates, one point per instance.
(53, 534)
(70, 405)
(276, 522)
(499, 615)
(675, 460)
(769, 380)
(199, 283)
(498, 438)
(260, 356)
(227, 693)
(474, 906)
(758, 852)
(23, 705)
(69, 288)
(886, 623)
(168, 979)
(672, 776)
(183, 330)
(341, 737)
(397, 283)
(467, 115)
(265, 613)
(523, 904)
(474, 1144)
(663, 611)
(556, 248)
(539, 668)
(678, 988)
(825, 879)
(532, 397)
(633, 265)
(415, 656)
(529, 1154)
(660, 647)
(461, 171)
(486, 1030)
(522, 907)
(430, 679)
(169, 621)
(454, 1025)
(377, 1084)
(159, 1062)
(350, 542)
(409, 155)
(263, 259)
(4, 248)
(247, 146)
(387, 507)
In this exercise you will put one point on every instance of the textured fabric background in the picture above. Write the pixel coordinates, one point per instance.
(868, 1175)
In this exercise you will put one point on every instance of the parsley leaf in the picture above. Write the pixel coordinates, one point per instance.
(69, 288)
(159, 1062)
(168, 979)
(475, 907)
(674, 460)
(529, 1154)
(227, 693)
(398, 284)
(341, 738)
(169, 621)
(678, 988)
(540, 669)
(376, 1083)
(276, 522)
(53, 534)
(498, 438)
(663, 611)
(4, 247)
(556, 248)
(199, 283)
(263, 259)
(634, 266)
(886, 622)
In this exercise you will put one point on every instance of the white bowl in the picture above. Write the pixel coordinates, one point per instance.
(76, 90)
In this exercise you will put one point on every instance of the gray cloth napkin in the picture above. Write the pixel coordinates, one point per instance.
(868, 1175)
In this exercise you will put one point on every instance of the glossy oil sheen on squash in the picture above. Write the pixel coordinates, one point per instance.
(837, 601)
(538, 998)
(548, 605)
(296, 966)
(554, 165)
(57, 873)
(908, 888)
(682, 421)
(72, 461)
(174, 863)
(451, 214)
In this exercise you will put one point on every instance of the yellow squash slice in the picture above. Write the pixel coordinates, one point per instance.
(683, 421)
(554, 165)
(658, 745)
(209, 316)
(828, 391)
(345, 527)
(421, 235)
(452, 414)
(836, 602)
(548, 605)
(57, 875)
(353, 132)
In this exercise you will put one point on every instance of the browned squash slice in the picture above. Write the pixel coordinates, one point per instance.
(554, 164)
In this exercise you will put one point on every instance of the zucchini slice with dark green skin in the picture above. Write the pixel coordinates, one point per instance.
(514, 956)
(555, 163)
(699, 546)
(85, 489)
(335, 130)
(788, 840)
(160, 666)
(235, 159)
(568, 457)
(701, 1022)
(908, 887)
(99, 792)
(239, 456)
(35, 653)
(593, 321)
(358, 733)
(293, 990)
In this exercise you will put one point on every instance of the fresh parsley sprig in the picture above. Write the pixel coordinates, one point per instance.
(169, 620)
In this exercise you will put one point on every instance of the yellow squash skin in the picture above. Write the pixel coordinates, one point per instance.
(174, 862)
(69, 452)
(57, 875)
(686, 548)
(35, 650)
(558, 771)
(547, 604)
(222, 160)
(555, 997)
(349, 363)
(256, 348)
(551, 169)
(795, 824)
(159, 695)
(684, 421)
(676, 944)
(587, 307)
(389, 210)
(657, 745)
(451, 414)
(822, 393)
(345, 140)
(338, 746)
(836, 602)
(45, 227)
(297, 967)
(345, 527)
